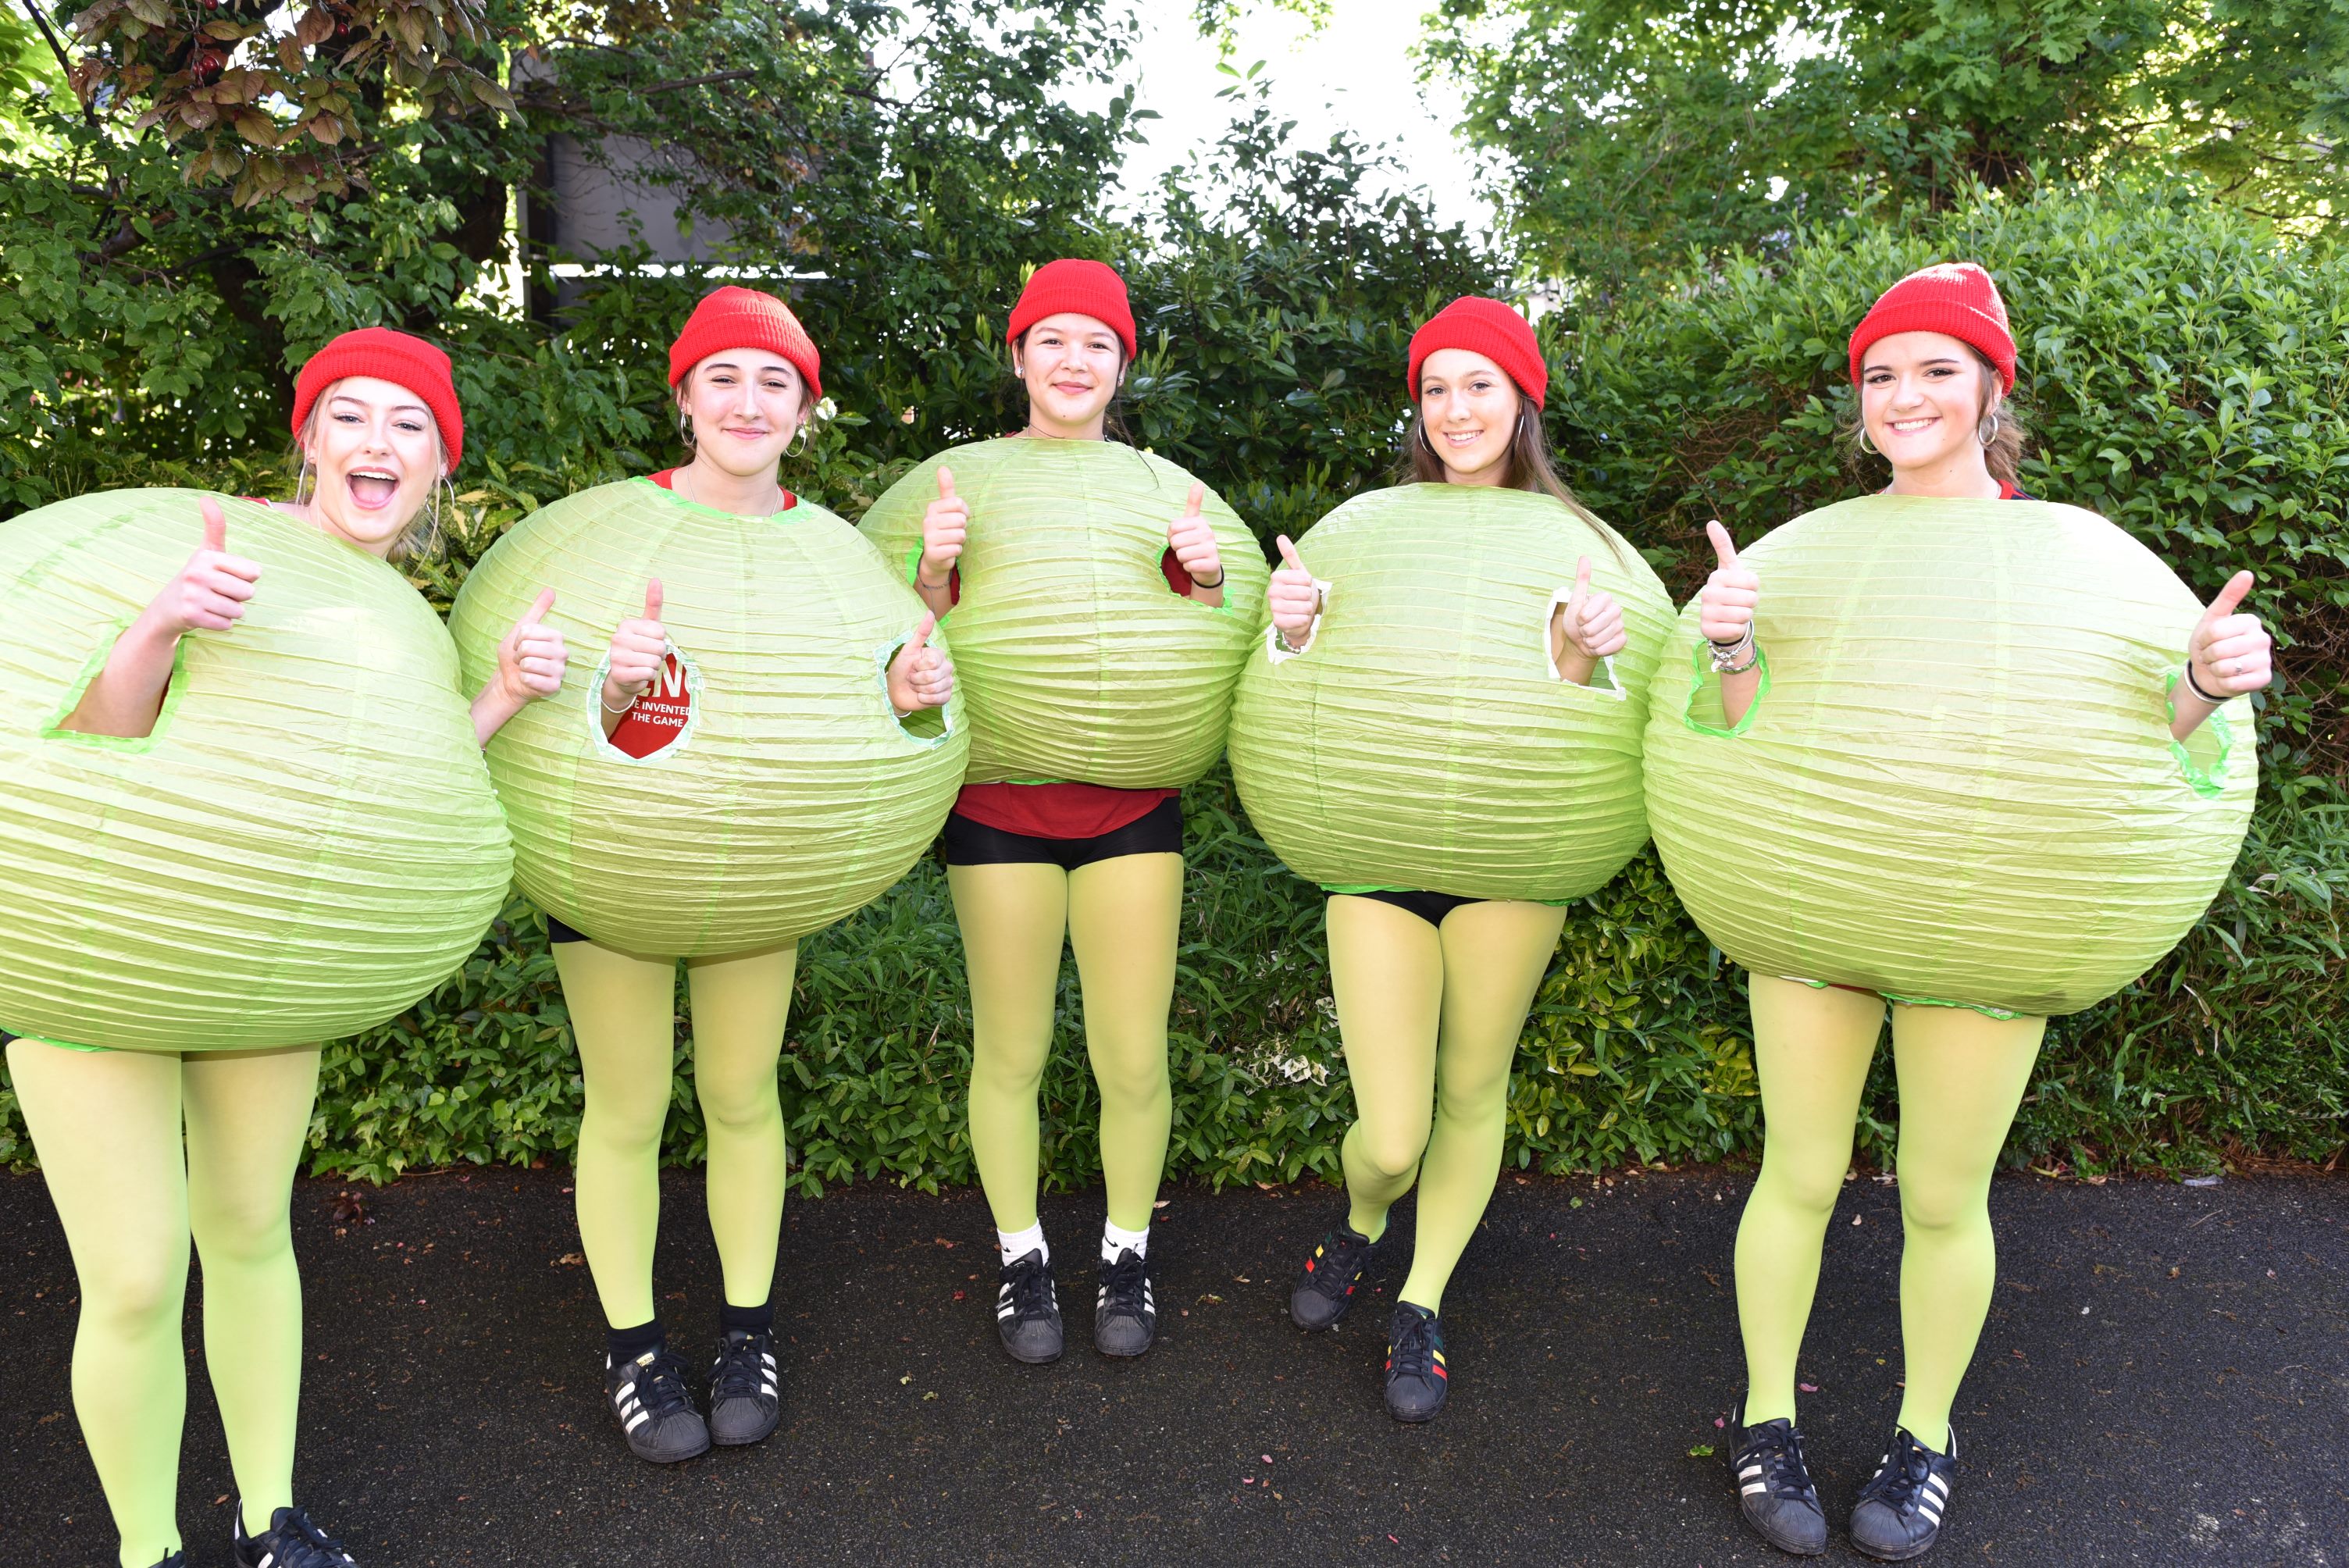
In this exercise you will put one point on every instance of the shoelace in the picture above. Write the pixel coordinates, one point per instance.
(1340, 1261)
(1903, 1477)
(1121, 1285)
(1413, 1352)
(742, 1370)
(296, 1543)
(660, 1387)
(1780, 1454)
(1031, 1290)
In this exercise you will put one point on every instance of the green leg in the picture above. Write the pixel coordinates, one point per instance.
(739, 1007)
(1124, 915)
(1386, 971)
(1014, 919)
(624, 1015)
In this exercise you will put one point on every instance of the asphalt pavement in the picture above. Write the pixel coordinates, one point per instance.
(2163, 1380)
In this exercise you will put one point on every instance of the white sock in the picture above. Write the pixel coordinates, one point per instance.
(1115, 1241)
(1018, 1244)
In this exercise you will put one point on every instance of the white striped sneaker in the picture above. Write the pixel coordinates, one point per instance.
(744, 1403)
(1774, 1487)
(290, 1541)
(1900, 1508)
(649, 1398)
(1126, 1312)
(1027, 1310)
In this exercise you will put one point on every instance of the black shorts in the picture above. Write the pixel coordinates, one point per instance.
(558, 931)
(1158, 831)
(1431, 907)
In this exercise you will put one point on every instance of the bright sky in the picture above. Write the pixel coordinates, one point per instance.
(1355, 75)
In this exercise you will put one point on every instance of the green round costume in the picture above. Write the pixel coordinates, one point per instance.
(305, 844)
(1424, 742)
(1957, 785)
(793, 795)
(1078, 662)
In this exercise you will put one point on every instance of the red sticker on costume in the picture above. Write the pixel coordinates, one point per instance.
(657, 720)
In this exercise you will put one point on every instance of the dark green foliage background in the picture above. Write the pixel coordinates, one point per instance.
(2186, 369)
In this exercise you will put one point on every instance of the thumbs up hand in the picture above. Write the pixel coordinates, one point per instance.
(945, 523)
(2229, 653)
(1193, 541)
(1590, 623)
(532, 658)
(1294, 597)
(639, 646)
(210, 593)
(920, 676)
(1725, 613)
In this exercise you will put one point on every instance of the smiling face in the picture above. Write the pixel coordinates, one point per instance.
(1922, 396)
(375, 455)
(1073, 365)
(745, 406)
(1468, 408)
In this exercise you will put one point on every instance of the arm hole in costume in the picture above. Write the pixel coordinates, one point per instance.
(914, 578)
(2201, 755)
(1611, 686)
(1280, 652)
(924, 726)
(1704, 713)
(174, 688)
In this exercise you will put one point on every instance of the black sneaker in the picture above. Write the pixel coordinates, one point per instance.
(1900, 1511)
(1027, 1310)
(1125, 1314)
(743, 1404)
(1774, 1487)
(647, 1396)
(1416, 1377)
(1326, 1288)
(290, 1541)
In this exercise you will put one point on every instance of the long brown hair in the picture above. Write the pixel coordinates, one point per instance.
(1530, 468)
(2002, 454)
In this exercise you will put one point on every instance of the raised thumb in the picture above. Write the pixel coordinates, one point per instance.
(1724, 551)
(537, 612)
(216, 525)
(1288, 556)
(921, 637)
(1198, 499)
(2232, 594)
(653, 600)
(945, 482)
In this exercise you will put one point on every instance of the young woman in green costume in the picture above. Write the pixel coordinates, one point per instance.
(744, 376)
(1033, 865)
(1432, 989)
(1933, 362)
(144, 1151)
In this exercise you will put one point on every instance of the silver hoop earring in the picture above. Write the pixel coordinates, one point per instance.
(685, 429)
(1865, 443)
(807, 439)
(1987, 436)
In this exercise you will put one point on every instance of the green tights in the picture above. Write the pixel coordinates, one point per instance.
(623, 1015)
(144, 1153)
(1965, 1074)
(1121, 917)
(1431, 1016)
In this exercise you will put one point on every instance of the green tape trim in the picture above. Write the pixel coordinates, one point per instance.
(175, 689)
(2208, 782)
(60, 1045)
(2003, 1014)
(1702, 670)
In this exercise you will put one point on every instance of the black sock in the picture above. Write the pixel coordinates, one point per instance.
(629, 1343)
(758, 1319)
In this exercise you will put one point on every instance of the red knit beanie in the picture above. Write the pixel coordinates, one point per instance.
(1488, 327)
(1089, 288)
(395, 356)
(732, 318)
(1953, 297)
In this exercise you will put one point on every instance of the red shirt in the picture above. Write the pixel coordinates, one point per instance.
(1063, 810)
(663, 478)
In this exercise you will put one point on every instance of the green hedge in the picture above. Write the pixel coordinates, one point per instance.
(2188, 373)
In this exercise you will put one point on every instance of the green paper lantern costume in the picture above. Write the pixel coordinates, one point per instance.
(1076, 662)
(306, 842)
(1423, 741)
(794, 796)
(1958, 784)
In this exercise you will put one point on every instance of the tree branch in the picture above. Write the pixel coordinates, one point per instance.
(65, 66)
(694, 82)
